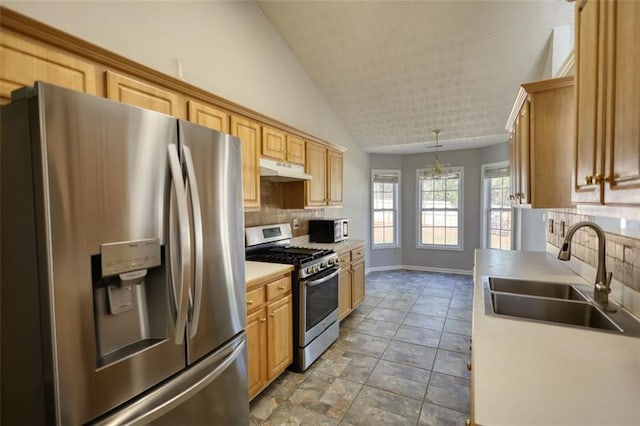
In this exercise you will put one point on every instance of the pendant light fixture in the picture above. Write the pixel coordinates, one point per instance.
(437, 170)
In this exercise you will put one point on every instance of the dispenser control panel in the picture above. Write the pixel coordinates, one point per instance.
(129, 256)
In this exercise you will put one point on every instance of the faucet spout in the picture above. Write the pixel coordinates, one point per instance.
(603, 280)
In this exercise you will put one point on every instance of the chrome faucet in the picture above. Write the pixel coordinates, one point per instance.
(603, 281)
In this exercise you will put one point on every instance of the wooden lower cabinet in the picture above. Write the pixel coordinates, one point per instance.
(357, 282)
(269, 332)
(344, 293)
(351, 281)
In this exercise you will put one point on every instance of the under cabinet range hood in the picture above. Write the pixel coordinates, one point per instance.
(279, 171)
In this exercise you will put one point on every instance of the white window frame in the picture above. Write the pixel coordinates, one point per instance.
(396, 209)
(484, 199)
(460, 246)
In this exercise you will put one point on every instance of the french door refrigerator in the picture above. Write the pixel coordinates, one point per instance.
(122, 265)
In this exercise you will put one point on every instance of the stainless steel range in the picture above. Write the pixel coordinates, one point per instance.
(314, 287)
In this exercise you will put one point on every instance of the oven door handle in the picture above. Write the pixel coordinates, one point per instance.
(313, 283)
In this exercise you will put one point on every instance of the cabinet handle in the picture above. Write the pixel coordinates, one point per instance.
(249, 302)
(263, 320)
(512, 197)
(469, 366)
(468, 422)
(272, 315)
(280, 287)
(598, 178)
(588, 179)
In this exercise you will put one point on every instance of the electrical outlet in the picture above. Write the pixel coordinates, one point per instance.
(562, 228)
(551, 226)
(295, 223)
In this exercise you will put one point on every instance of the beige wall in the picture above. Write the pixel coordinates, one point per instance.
(228, 48)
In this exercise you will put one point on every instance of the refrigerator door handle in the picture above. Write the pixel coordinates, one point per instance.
(198, 238)
(178, 390)
(182, 299)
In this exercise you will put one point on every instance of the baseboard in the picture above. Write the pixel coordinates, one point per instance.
(419, 268)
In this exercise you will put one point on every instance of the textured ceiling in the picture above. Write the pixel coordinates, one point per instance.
(393, 71)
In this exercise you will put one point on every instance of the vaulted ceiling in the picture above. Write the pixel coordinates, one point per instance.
(393, 71)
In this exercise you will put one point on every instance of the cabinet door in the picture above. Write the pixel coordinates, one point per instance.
(524, 150)
(344, 293)
(316, 166)
(256, 351)
(23, 62)
(588, 155)
(622, 171)
(279, 336)
(274, 144)
(334, 178)
(207, 116)
(295, 149)
(249, 132)
(513, 166)
(357, 283)
(134, 92)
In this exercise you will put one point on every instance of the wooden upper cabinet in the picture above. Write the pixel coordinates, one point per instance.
(274, 143)
(249, 133)
(208, 116)
(316, 166)
(23, 62)
(589, 90)
(295, 149)
(135, 92)
(622, 168)
(334, 177)
(541, 144)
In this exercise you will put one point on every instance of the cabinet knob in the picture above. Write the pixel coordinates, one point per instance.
(272, 315)
(608, 178)
(249, 302)
(468, 422)
(588, 179)
(469, 366)
(598, 178)
(280, 287)
(263, 320)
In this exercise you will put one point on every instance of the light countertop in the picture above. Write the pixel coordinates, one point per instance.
(340, 247)
(540, 374)
(259, 272)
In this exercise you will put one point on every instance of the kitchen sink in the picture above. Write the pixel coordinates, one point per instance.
(555, 304)
(537, 288)
(558, 311)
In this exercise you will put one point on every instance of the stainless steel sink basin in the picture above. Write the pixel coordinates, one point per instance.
(558, 311)
(536, 288)
(555, 304)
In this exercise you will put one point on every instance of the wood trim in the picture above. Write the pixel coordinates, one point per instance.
(51, 36)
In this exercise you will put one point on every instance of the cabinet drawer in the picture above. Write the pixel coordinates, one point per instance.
(357, 253)
(255, 299)
(344, 259)
(278, 288)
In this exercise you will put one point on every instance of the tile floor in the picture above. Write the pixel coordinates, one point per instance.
(401, 359)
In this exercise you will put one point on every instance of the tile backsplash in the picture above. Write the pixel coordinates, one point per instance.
(622, 252)
(271, 211)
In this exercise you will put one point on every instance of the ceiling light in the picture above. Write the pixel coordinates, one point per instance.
(437, 170)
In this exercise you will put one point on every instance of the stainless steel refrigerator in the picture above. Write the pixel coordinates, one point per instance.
(122, 265)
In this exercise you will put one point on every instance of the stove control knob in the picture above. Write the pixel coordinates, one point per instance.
(309, 270)
(316, 268)
(333, 261)
(324, 264)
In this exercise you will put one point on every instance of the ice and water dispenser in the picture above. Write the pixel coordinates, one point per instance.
(130, 299)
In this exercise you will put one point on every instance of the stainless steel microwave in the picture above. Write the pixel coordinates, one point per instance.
(328, 230)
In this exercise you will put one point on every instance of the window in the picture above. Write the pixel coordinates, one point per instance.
(385, 194)
(497, 207)
(440, 210)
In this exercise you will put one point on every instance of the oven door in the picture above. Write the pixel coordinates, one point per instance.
(318, 304)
